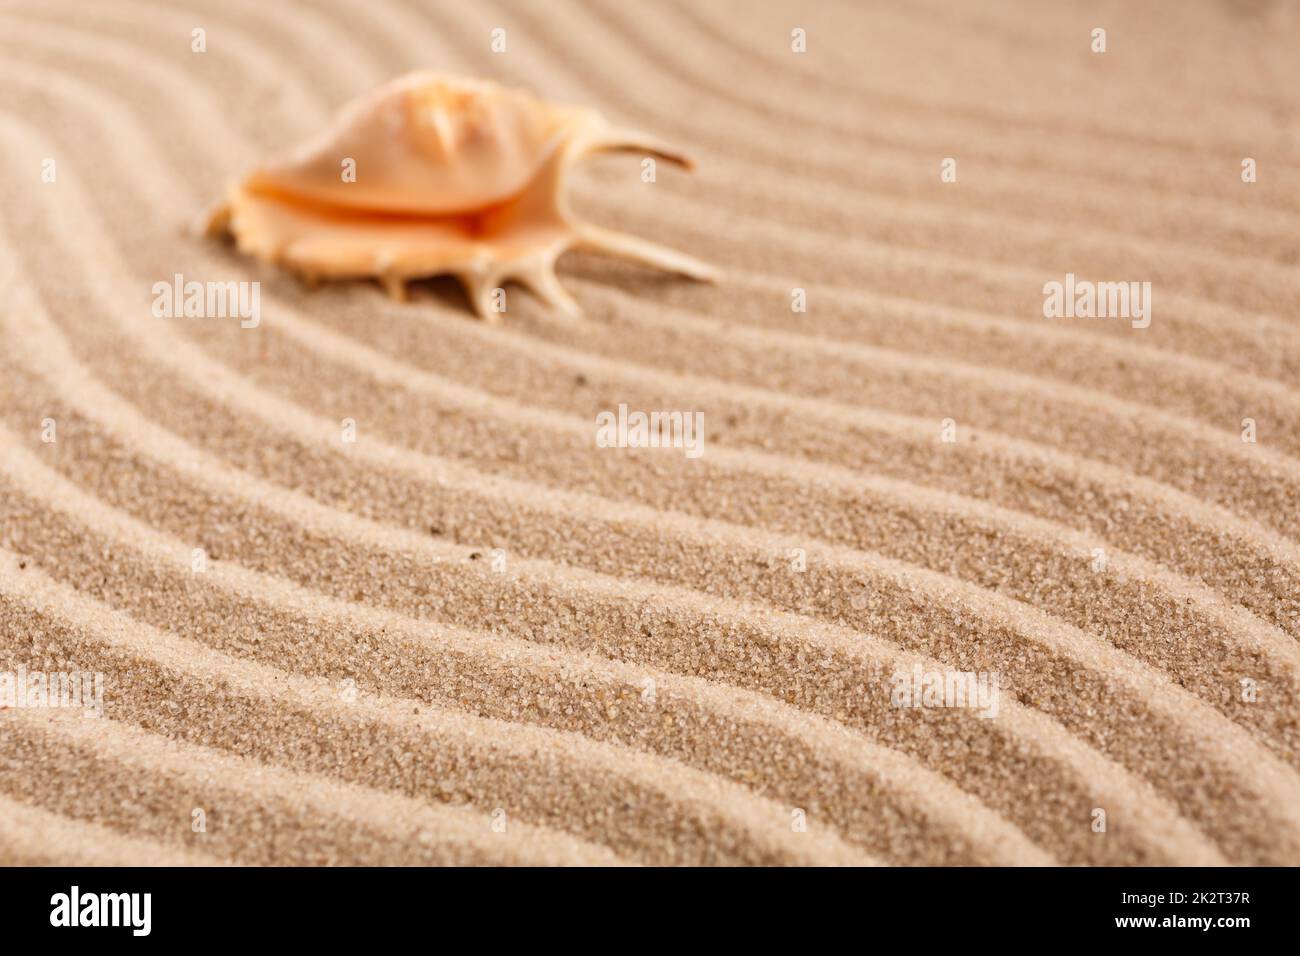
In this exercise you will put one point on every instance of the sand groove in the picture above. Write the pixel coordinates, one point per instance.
(278, 622)
(634, 623)
(473, 615)
(562, 780)
(30, 836)
(1244, 351)
(142, 783)
(1269, 477)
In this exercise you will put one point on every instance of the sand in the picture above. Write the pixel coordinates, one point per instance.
(362, 587)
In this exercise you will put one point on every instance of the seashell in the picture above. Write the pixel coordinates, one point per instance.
(452, 176)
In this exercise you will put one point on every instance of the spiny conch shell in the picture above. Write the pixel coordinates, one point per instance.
(452, 176)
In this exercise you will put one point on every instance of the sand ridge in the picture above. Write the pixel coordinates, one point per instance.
(472, 614)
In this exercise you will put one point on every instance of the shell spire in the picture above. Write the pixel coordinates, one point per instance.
(432, 175)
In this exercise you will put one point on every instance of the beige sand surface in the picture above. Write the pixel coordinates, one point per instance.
(473, 636)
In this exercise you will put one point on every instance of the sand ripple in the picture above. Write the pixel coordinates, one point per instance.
(472, 636)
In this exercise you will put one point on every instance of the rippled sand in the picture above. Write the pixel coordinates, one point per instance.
(473, 636)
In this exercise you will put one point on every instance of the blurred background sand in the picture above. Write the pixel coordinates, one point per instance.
(473, 636)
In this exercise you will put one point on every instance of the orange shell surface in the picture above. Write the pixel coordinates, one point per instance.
(432, 175)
